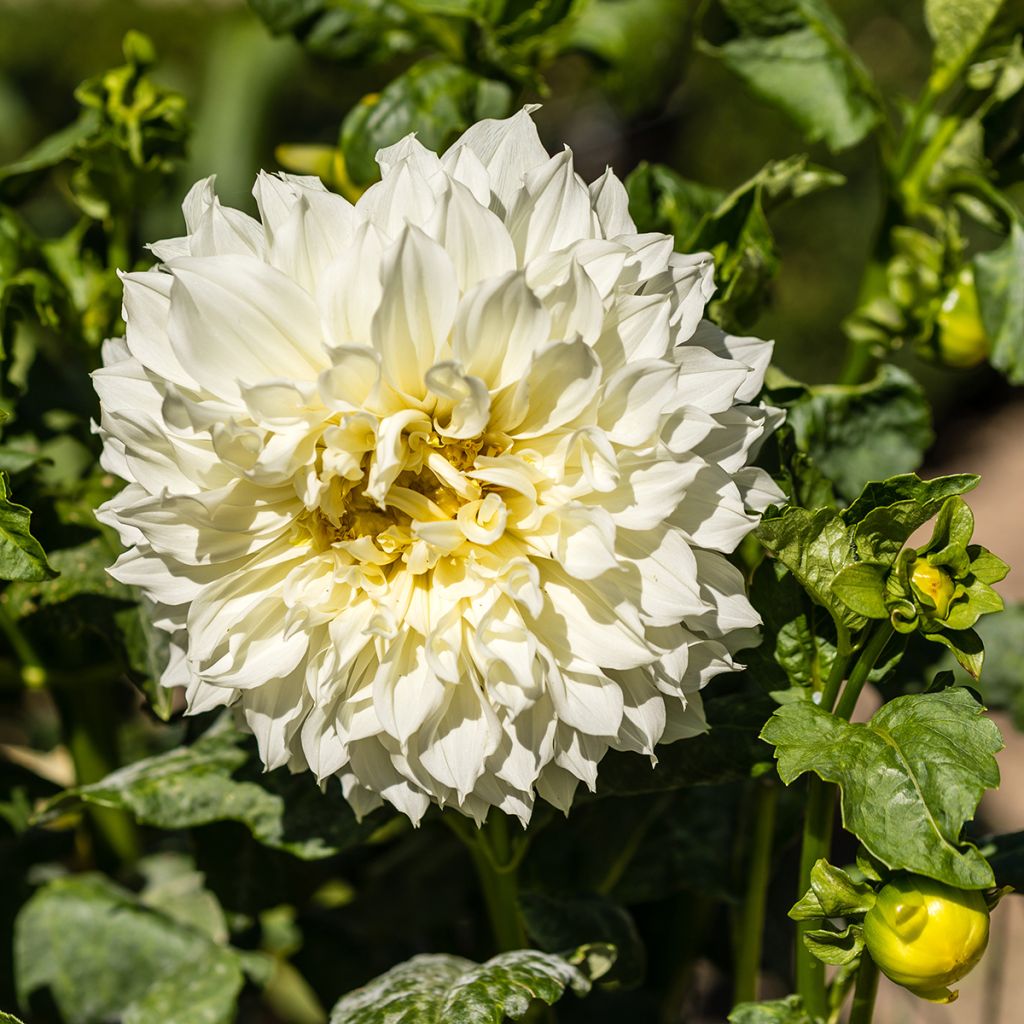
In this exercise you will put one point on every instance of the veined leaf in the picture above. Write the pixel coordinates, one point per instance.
(104, 954)
(910, 777)
(436, 988)
(775, 1011)
(214, 779)
(21, 555)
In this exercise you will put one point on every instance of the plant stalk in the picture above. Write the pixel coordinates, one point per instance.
(497, 868)
(869, 655)
(864, 993)
(751, 924)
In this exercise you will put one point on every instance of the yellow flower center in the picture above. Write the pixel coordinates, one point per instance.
(935, 584)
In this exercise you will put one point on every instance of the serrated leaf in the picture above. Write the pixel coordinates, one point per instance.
(435, 988)
(217, 779)
(910, 778)
(103, 954)
(806, 70)
(21, 555)
(957, 26)
(999, 278)
(775, 1011)
(434, 98)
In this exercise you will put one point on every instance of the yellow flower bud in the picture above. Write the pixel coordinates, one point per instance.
(934, 583)
(925, 935)
(962, 339)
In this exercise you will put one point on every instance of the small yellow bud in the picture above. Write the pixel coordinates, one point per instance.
(925, 935)
(962, 339)
(934, 583)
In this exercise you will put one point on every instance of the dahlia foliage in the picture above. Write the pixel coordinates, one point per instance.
(436, 489)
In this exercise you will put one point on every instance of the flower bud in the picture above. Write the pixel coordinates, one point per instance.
(925, 935)
(934, 583)
(962, 339)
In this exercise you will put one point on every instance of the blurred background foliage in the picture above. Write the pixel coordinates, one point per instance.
(672, 93)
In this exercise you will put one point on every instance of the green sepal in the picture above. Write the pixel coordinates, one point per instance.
(965, 645)
(832, 946)
(833, 893)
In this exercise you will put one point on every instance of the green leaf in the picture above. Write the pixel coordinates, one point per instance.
(999, 278)
(615, 31)
(815, 547)
(216, 779)
(807, 70)
(104, 954)
(958, 27)
(21, 556)
(49, 153)
(861, 587)
(353, 33)
(7, 1018)
(965, 645)
(734, 227)
(776, 1011)
(148, 652)
(433, 98)
(82, 569)
(1006, 855)
(910, 777)
(865, 432)
(887, 512)
(435, 988)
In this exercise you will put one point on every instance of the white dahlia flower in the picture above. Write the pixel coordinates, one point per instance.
(434, 489)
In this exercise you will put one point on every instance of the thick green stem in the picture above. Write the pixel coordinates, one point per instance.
(817, 841)
(863, 1007)
(865, 663)
(497, 866)
(751, 923)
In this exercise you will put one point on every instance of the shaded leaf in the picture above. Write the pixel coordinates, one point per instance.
(216, 779)
(103, 954)
(800, 62)
(434, 98)
(910, 778)
(999, 277)
(21, 556)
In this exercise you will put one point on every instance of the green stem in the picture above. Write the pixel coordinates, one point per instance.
(865, 663)
(817, 841)
(497, 866)
(751, 931)
(863, 1007)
